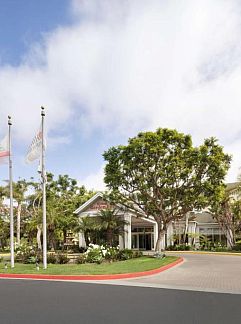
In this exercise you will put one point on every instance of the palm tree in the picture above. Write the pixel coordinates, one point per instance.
(112, 224)
(88, 227)
(19, 190)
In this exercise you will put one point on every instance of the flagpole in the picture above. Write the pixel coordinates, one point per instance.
(11, 192)
(44, 193)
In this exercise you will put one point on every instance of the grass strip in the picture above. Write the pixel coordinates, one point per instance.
(144, 263)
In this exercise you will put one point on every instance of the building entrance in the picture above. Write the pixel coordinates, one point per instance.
(142, 238)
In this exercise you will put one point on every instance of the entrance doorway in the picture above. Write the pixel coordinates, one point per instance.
(142, 238)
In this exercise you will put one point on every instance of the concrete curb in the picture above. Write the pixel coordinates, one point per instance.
(204, 252)
(91, 277)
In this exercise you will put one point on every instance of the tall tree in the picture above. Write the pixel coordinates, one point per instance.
(227, 212)
(4, 220)
(64, 195)
(19, 191)
(34, 221)
(161, 174)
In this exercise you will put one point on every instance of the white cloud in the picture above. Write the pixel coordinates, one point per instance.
(126, 66)
(94, 181)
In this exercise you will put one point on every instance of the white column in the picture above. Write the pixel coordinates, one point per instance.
(191, 230)
(82, 242)
(121, 241)
(197, 241)
(127, 234)
(169, 234)
(163, 242)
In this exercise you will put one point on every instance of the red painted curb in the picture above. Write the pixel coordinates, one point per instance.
(91, 277)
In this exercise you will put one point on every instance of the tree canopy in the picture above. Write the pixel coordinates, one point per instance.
(162, 175)
(63, 196)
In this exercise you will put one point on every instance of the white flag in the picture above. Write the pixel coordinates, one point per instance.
(35, 149)
(4, 150)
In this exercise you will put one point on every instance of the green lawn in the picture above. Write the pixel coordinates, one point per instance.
(134, 265)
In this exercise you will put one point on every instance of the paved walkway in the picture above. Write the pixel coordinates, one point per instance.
(200, 272)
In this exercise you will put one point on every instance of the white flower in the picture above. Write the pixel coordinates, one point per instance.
(104, 252)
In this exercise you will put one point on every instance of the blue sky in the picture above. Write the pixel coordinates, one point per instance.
(106, 70)
(24, 22)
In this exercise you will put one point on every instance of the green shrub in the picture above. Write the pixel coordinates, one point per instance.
(94, 255)
(81, 259)
(137, 254)
(32, 260)
(237, 247)
(126, 254)
(179, 247)
(220, 248)
(159, 255)
(25, 253)
(98, 253)
(62, 258)
(111, 253)
(51, 258)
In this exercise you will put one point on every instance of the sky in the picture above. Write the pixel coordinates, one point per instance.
(106, 70)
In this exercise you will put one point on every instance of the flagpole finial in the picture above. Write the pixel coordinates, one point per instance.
(9, 121)
(42, 111)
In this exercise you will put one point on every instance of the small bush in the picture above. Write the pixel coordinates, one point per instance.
(51, 258)
(237, 247)
(32, 260)
(137, 254)
(62, 258)
(25, 253)
(81, 259)
(126, 254)
(159, 255)
(179, 247)
(220, 249)
(94, 255)
(111, 253)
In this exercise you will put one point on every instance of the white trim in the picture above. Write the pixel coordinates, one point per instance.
(88, 202)
(147, 219)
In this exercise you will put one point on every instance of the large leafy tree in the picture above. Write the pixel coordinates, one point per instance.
(63, 196)
(4, 220)
(162, 175)
(19, 195)
(227, 212)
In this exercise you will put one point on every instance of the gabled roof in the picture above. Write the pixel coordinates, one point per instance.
(89, 202)
(232, 186)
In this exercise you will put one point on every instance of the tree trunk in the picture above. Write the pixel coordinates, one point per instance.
(160, 246)
(109, 237)
(230, 237)
(39, 237)
(186, 228)
(19, 208)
